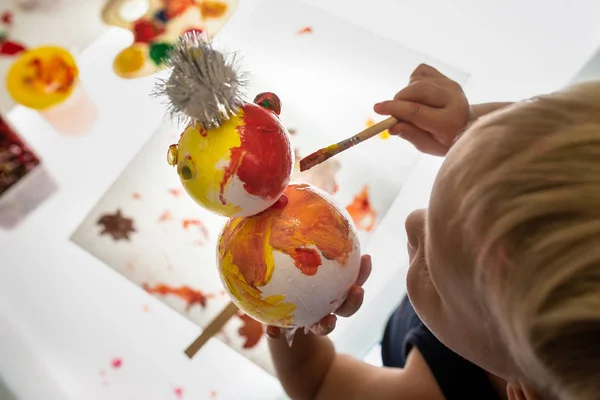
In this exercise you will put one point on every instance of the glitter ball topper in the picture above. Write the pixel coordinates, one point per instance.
(205, 85)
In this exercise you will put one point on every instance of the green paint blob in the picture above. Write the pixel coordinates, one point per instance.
(159, 52)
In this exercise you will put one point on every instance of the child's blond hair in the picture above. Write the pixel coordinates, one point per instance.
(530, 176)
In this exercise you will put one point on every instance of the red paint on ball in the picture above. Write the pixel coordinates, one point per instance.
(116, 362)
(263, 162)
(307, 260)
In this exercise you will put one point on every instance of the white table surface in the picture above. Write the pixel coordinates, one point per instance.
(64, 315)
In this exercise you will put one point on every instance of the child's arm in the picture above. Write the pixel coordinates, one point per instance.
(311, 370)
(433, 110)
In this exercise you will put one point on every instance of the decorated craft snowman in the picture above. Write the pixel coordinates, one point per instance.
(288, 254)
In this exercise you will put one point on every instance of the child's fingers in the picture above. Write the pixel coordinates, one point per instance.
(324, 326)
(422, 116)
(365, 270)
(273, 332)
(425, 93)
(353, 302)
(425, 70)
(422, 140)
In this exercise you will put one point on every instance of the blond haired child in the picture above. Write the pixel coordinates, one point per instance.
(504, 277)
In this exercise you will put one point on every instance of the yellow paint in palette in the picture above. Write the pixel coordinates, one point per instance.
(384, 135)
(202, 158)
(42, 77)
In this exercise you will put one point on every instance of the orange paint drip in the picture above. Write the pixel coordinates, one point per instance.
(305, 30)
(361, 211)
(251, 330)
(383, 135)
(189, 295)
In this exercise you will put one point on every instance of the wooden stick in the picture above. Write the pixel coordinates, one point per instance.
(326, 153)
(212, 329)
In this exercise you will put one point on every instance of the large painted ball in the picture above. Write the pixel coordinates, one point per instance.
(238, 169)
(292, 264)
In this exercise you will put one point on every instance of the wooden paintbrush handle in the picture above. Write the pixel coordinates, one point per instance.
(377, 128)
(212, 329)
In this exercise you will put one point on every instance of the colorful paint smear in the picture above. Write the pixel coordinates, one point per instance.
(305, 30)
(255, 149)
(251, 330)
(361, 211)
(116, 225)
(246, 246)
(187, 294)
(383, 135)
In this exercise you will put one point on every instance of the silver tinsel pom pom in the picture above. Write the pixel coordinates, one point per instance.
(204, 86)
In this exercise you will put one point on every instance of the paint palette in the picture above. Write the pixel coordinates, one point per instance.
(161, 25)
(150, 231)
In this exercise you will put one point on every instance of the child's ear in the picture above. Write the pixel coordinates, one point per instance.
(519, 391)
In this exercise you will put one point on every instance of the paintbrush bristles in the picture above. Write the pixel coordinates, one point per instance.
(204, 86)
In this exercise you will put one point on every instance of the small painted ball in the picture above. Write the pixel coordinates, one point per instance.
(238, 169)
(292, 264)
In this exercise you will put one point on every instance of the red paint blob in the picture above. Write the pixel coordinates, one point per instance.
(263, 162)
(116, 362)
(7, 18)
(251, 330)
(307, 260)
(144, 31)
(9, 48)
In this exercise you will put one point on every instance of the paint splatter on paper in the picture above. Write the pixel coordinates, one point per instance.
(186, 223)
(178, 391)
(251, 330)
(116, 225)
(189, 295)
(361, 211)
(116, 362)
(305, 30)
(137, 196)
(383, 135)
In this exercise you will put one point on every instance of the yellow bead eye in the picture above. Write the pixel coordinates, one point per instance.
(186, 170)
(172, 155)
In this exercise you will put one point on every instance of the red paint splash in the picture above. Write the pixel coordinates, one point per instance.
(361, 211)
(175, 192)
(263, 162)
(166, 216)
(307, 29)
(178, 392)
(137, 196)
(251, 330)
(7, 18)
(187, 294)
(116, 362)
(10, 48)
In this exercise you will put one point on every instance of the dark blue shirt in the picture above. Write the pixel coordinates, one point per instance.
(456, 377)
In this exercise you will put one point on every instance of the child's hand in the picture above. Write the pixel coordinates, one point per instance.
(347, 309)
(433, 110)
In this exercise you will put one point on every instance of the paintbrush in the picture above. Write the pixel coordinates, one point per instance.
(326, 153)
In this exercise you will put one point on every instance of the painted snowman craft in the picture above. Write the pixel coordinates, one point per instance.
(288, 255)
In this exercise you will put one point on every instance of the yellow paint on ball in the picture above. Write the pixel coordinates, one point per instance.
(207, 154)
(42, 77)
